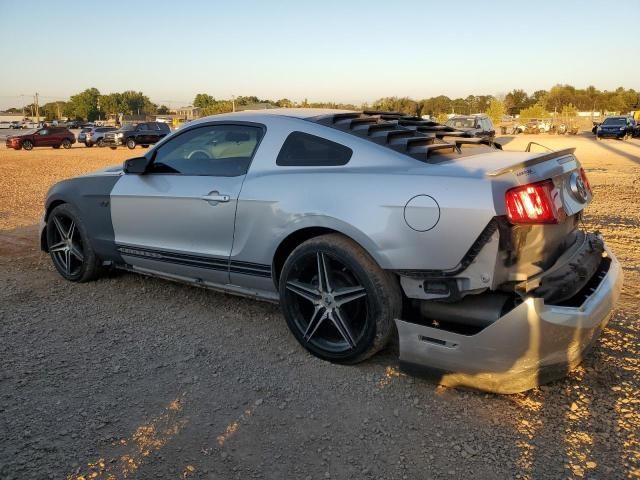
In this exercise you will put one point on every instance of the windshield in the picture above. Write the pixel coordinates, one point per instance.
(461, 122)
(615, 122)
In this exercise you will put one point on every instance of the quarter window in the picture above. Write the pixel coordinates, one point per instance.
(305, 150)
(216, 150)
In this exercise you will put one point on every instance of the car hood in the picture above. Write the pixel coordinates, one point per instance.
(107, 171)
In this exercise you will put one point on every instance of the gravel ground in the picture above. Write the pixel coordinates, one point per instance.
(141, 378)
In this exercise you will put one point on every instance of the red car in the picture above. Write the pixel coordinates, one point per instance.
(45, 137)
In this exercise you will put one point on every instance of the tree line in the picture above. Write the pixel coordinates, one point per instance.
(91, 104)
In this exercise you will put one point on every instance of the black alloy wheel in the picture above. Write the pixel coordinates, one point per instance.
(337, 302)
(68, 245)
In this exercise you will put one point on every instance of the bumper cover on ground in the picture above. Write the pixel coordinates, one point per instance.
(532, 344)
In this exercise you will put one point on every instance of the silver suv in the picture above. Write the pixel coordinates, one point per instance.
(94, 135)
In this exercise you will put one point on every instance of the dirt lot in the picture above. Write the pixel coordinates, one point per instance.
(141, 378)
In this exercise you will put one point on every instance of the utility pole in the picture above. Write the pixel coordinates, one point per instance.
(22, 97)
(233, 103)
(37, 109)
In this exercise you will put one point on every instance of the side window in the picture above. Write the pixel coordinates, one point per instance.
(216, 150)
(304, 150)
(141, 128)
(43, 132)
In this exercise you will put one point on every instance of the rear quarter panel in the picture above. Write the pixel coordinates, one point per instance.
(364, 200)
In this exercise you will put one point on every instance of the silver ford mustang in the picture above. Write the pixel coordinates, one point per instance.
(360, 224)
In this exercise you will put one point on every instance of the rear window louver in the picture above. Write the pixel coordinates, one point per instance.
(406, 134)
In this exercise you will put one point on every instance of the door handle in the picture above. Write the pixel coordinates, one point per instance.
(215, 197)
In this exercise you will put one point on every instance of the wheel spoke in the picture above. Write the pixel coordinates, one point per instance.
(59, 227)
(324, 273)
(343, 327)
(58, 247)
(67, 261)
(304, 290)
(72, 230)
(76, 252)
(318, 316)
(349, 294)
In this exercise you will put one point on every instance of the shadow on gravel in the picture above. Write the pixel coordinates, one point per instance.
(605, 144)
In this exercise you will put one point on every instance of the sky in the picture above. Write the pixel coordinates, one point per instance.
(343, 51)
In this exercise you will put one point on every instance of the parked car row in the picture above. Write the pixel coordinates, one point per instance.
(144, 134)
(55, 137)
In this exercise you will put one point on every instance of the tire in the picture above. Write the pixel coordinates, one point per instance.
(69, 247)
(100, 143)
(56, 146)
(27, 145)
(145, 146)
(88, 145)
(66, 144)
(113, 148)
(131, 143)
(351, 319)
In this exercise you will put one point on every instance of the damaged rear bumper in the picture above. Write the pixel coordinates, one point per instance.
(530, 345)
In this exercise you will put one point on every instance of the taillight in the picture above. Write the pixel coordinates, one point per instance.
(534, 203)
(585, 180)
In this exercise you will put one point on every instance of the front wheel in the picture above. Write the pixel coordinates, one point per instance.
(100, 143)
(69, 247)
(131, 143)
(338, 303)
(66, 143)
(27, 145)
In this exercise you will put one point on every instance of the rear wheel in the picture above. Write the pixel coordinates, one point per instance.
(113, 148)
(69, 246)
(27, 144)
(66, 143)
(338, 303)
(131, 143)
(100, 143)
(88, 145)
(56, 146)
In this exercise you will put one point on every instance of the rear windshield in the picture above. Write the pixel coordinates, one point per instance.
(461, 122)
(616, 122)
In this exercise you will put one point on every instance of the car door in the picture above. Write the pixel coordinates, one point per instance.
(42, 138)
(178, 218)
(153, 133)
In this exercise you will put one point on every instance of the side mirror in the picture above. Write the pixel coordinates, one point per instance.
(135, 166)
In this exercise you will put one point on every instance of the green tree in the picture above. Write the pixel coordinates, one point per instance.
(218, 106)
(285, 103)
(203, 100)
(515, 101)
(163, 110)
(53, 110)
(495, 111)
(535, 111)
(84, 105)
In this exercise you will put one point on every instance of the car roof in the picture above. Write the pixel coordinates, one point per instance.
(300, 113)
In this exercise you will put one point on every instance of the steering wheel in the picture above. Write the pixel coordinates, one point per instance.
(199, 155)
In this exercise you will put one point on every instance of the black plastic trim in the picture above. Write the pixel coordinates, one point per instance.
(197, 261)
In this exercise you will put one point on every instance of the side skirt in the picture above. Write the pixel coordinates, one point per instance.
(264, 295)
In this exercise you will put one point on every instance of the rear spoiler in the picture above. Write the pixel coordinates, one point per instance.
(543, 157)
